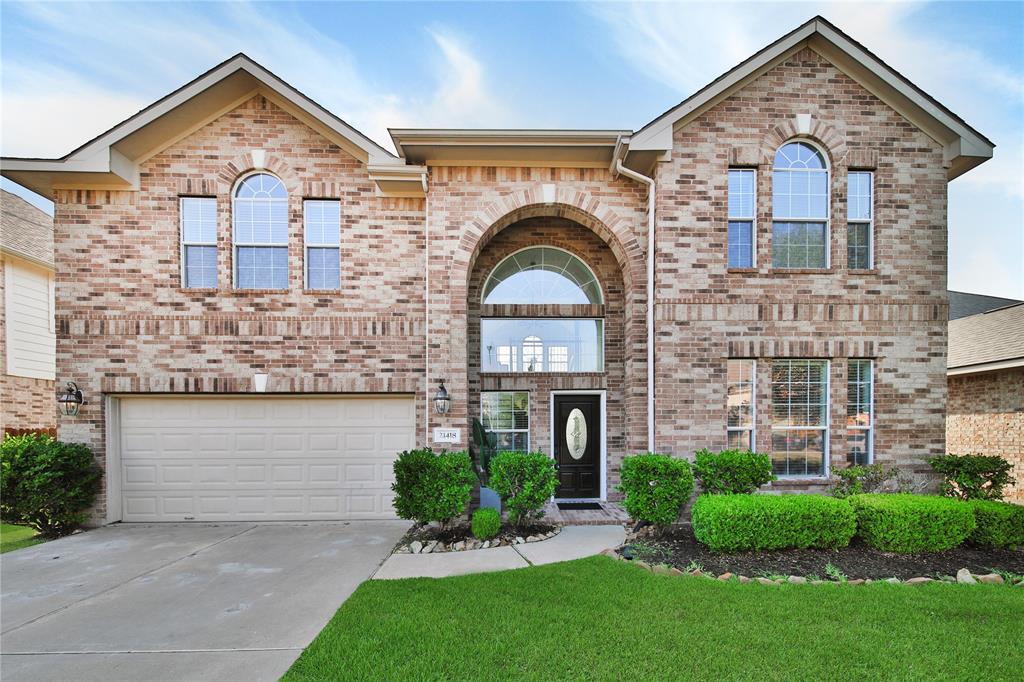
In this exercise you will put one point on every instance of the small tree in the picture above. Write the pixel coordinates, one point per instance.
(525, 481)
(973, 477)
(47, 484)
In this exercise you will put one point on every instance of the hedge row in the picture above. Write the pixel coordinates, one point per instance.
(739, 522)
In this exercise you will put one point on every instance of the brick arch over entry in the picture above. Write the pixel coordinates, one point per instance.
(229, 174)
(580, 207)
(825, 135)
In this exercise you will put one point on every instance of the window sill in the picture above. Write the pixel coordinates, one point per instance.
(742, 271)
(784, 481)
(199, 290)
(864, 271)
(322, 292)
(541, 374)
(801, 271)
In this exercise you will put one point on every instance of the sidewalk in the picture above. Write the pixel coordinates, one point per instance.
(573, 542)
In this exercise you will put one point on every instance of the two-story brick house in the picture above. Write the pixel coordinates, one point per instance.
(260, 303)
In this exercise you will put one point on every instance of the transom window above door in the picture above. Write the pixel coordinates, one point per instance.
(542, 274)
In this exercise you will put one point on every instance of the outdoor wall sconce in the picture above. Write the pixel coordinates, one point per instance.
(442, 402)
(70, 400)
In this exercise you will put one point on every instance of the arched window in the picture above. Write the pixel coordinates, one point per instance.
(800, 204)
(261, 233)
(542, 274)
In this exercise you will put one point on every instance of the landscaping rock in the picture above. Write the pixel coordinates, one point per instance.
(796, 580)
(856, 581)
(818, 582)
(429, 548)
(1020, 584)
(964, 577)
(532, 538)
(920, 580)
(948, 579)
(766, 581)
(642, 564)
(662, 569)
(403, 550)
(519, 540)
(459, 546)
(744, 579)
(675, 571)
(416, 546)
(697, 573)
(893, 581)
(725, 576)
(610, 553)
(991, 579)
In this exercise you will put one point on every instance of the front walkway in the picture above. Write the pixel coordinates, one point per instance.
(609, 513)
(573, 542)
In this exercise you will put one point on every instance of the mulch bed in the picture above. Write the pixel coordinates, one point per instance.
(678, 547)
(462, 533)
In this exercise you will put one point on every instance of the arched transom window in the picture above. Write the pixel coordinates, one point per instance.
(542, 274)
(799, 207)
(261, 233)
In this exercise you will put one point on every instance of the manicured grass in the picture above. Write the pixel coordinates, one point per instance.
(602, 619)
(15, 537)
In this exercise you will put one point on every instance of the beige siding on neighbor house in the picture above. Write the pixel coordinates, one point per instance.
(30, 334)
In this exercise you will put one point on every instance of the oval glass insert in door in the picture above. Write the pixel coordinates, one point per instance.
(576, 433)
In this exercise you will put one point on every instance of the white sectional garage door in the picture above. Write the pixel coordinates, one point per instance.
(261, 458)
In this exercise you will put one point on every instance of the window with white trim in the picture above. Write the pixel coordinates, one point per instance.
(542, 274)
(322, 230)
(799, 417)
(742, 206)
(198, 242)
(860, 412)
(859, 220)
(800, 207)
(261, 233)
(507, 415)
(740, 404)
(551, 344)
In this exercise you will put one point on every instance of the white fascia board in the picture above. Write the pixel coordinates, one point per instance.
(985, 367)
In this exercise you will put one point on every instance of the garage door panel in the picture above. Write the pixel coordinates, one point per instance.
(262, 458)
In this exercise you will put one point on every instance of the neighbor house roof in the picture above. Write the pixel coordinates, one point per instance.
(112, 160)
(988, 341)
(962, 304)
(25, 231)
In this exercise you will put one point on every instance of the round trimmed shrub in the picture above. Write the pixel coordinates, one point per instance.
(906, 523)
(525, 481)
(732, 472)
(486, 523)
(729, 523)
(656, 487)
(432, 487)
(47, 484)
(997, 524)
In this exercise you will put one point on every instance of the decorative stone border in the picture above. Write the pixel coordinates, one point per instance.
(963, 576)
(437, 547)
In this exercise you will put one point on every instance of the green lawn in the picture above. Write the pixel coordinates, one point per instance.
(602, 619)
(15, 537)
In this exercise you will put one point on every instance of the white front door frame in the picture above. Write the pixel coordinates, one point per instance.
(604, 432)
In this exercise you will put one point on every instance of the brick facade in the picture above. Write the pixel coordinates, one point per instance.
(986, 417)
(125, 325)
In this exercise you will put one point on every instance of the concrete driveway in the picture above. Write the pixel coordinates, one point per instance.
(180, 601)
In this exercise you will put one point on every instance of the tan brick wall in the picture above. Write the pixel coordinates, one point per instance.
(895, 314)
(986, 417)
(25, 404)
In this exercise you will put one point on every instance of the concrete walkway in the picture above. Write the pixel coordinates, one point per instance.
(574, 542)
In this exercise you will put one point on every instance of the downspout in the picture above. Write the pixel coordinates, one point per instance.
(643, 179)
(426, 313)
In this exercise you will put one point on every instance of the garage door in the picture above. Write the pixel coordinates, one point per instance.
(261, 458)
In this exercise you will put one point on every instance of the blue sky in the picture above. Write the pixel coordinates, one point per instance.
(70, 71)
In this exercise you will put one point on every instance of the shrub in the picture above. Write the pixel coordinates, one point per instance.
(525, 481)
(911, 523)
(873, 478)
(972, 477)
(432, 487)
(486, 523)
(732, 472)
(997, 524)
(47, 484)
(656, 487)
(743, 522)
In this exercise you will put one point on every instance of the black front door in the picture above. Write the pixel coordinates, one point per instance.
(578, 445)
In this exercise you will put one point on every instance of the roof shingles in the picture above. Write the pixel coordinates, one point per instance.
(995, 336)
(25, 230)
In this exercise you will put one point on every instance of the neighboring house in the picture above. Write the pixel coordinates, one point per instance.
(986, 383)
(27, 333)
(763, 265)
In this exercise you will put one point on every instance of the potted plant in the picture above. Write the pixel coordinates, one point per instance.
(484, 445)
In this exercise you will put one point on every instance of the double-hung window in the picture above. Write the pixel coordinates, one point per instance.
(261, 233)
(507, 415)
(740, 404)
(859, 220)
(198, 242)
(860, 413)
(322, 220)
(799, 207)
(799, 417)
(742, 206)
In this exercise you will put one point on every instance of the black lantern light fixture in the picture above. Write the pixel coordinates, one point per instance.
(70, 400)
(442, 401)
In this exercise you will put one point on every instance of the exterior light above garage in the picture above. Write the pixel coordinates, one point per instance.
(70, 400)
(442, 402)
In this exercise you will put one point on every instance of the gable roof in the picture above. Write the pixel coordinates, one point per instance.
(962, 304)
(992, 340)
(25, 231)
(112, 159)
(965, 147)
